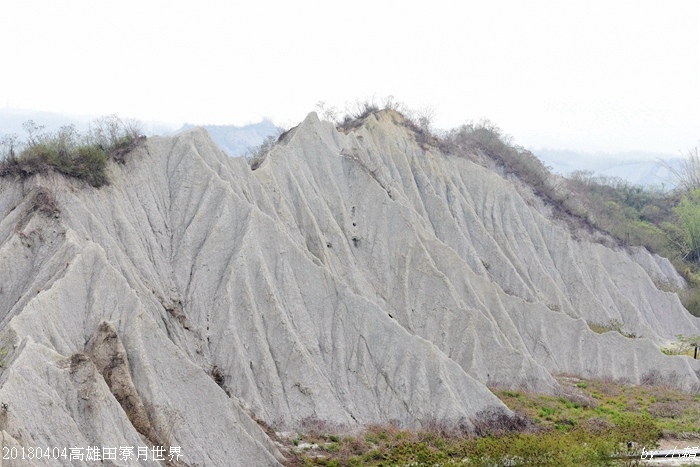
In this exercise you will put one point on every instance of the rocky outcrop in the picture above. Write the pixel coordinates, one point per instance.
(352, 278)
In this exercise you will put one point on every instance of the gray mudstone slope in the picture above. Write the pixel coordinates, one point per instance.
(352, 278)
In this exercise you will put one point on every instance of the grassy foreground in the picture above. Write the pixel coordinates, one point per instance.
(589, 424)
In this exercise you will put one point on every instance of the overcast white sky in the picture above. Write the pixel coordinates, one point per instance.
(585, 75)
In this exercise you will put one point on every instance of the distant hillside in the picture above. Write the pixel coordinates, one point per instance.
(235, 140)
(638, 168)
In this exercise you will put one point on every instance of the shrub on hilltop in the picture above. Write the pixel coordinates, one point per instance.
(487, 138)
(81, 156)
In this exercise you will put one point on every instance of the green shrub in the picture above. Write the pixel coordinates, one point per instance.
(65, 151)
(690, 297)
(88, 163)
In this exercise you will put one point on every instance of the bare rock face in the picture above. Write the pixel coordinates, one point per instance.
(109, 356)
(352, 278)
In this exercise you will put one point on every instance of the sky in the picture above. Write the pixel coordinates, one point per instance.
(583, 75)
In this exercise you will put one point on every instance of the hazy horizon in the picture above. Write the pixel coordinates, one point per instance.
(590, 75)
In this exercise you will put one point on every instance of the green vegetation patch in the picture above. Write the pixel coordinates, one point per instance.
(665, 222)
(611, 325)
(591, 423)
(80, 156)
(674, 412)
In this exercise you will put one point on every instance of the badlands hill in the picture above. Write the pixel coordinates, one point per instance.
(353, 278)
